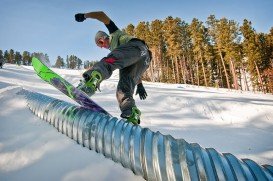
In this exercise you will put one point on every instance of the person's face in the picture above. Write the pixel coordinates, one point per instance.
(103, 43)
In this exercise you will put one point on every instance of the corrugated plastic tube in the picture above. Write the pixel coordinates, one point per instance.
(150, 154)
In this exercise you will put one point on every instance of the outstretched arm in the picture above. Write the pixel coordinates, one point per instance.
(99, 15)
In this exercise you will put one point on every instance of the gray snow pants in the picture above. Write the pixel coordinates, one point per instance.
(132, 59)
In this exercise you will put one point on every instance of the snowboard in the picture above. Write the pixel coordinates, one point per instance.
(45, 73)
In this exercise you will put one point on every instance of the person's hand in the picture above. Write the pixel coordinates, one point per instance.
(79, 17)
(141, 91)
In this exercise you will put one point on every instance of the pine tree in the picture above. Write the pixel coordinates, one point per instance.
(59, 62)
(187, 53)
(224, 34)
(26, 58)
(6, 56)
(266, 63)
(47, 59)
(173, 36)
(156, 47)
(2, 61)
(253, 53)
(198, 34)
(130, 29)
(268, 72)
(18, 58)
(67, 62)
(142, 31)
(11, 58)
(1, 55)
(217, 38)
(74, 62)
(79, 63)
(230, 39)
(86, 64)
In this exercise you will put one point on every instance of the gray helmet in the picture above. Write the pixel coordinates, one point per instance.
(100, 34)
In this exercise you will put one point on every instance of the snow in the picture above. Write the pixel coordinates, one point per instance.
(237, 122)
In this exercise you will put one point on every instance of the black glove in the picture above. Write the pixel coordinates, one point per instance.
(79, 17)
(141, 91)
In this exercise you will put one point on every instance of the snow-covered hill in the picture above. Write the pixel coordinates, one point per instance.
(30, 149)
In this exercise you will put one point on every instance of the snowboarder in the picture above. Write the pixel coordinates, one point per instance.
(128, 54)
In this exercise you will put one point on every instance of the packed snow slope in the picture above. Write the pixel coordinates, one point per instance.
(30, 149)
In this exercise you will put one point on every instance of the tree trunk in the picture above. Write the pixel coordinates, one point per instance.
(152, 66)
(173, 70)
(224, 66)
(245, 79)
(159, 63)
(191, 71)
(167, 67)
(221, 83)
(203, 67)
(184, 70)
(259, 77)
(235, 80)
(198, 81)
(240, 80)
(177, 70)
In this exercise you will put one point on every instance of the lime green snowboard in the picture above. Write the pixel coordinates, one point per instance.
(45, 73)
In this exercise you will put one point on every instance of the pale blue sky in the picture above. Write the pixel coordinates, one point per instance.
(48, 26)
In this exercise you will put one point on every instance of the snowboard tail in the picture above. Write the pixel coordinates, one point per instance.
(45, 73)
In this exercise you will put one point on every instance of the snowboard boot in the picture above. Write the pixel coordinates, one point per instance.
(134, 117)
(91, 84)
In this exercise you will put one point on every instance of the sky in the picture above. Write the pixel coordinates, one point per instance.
(49, 26)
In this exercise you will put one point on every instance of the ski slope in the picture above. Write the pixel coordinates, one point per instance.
(30, 149)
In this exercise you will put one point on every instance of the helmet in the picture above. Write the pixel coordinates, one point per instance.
(100, 34)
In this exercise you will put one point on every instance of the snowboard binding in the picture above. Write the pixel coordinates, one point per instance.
(91, 83)
(134, 117)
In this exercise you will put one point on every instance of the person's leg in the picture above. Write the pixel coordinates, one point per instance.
(125, 91)
(129, 77)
